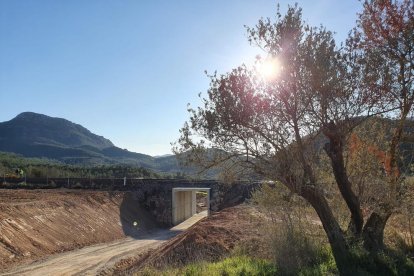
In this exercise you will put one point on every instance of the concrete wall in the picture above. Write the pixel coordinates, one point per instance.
(184, 203)
(183, 206)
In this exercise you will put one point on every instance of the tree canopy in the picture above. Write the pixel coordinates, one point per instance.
(280, 127)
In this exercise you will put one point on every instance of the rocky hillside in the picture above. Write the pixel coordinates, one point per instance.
(36, 135)
(30, 128)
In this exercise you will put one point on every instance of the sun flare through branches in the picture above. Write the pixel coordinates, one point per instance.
(269, 69)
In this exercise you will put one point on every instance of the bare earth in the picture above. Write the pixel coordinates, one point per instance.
(77, 232)
(93, 259)
(209, 240)
(35, 224)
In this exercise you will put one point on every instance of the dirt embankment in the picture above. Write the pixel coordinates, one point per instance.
(209, 240)
(36, 224)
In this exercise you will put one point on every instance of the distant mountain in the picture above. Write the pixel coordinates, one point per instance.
(33, 128)
(37, 135)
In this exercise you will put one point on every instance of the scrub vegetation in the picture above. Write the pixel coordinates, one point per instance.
(43, 167)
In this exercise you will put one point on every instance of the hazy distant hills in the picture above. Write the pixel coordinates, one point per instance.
(36, 135)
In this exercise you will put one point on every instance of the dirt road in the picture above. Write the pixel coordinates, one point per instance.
(211, 239)
(90, 260)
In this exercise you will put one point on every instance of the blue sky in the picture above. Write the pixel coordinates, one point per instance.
(126, 69)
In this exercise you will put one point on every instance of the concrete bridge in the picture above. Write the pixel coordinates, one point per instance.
(170, 201)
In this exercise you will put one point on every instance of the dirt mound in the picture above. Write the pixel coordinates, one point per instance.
(35, 224)
(209, 240)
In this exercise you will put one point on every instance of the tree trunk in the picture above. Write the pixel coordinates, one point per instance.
(334, 149)
(332, 229)
(373, 233)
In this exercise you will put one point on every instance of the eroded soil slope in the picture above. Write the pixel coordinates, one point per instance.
(209, 240)
(35, 224)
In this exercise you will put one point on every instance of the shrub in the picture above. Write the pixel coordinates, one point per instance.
(290, 232)
(237, 265)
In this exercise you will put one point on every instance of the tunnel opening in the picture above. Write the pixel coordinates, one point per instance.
(186, 202)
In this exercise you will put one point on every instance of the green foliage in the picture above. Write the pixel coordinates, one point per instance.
(382, 263)
(237, 265)
(36, 167)
(324, 265)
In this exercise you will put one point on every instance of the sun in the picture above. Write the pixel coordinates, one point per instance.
(269, 69)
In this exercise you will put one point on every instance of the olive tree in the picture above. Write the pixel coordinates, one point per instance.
(279, 127)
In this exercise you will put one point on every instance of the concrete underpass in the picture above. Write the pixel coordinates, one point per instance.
(184, 203)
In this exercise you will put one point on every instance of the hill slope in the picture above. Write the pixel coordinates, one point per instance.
(37, 135)
(37, 129)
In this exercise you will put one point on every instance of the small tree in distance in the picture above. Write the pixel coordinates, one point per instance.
(278, 127)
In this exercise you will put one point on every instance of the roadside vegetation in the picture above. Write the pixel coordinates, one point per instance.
(237, 265)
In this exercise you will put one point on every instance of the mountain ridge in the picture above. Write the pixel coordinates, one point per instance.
(32, 134)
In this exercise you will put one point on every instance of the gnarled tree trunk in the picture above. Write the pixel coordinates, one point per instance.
(334, 150)
(334, 232)
(373, 233)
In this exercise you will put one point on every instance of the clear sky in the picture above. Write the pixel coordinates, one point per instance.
(126, 69)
